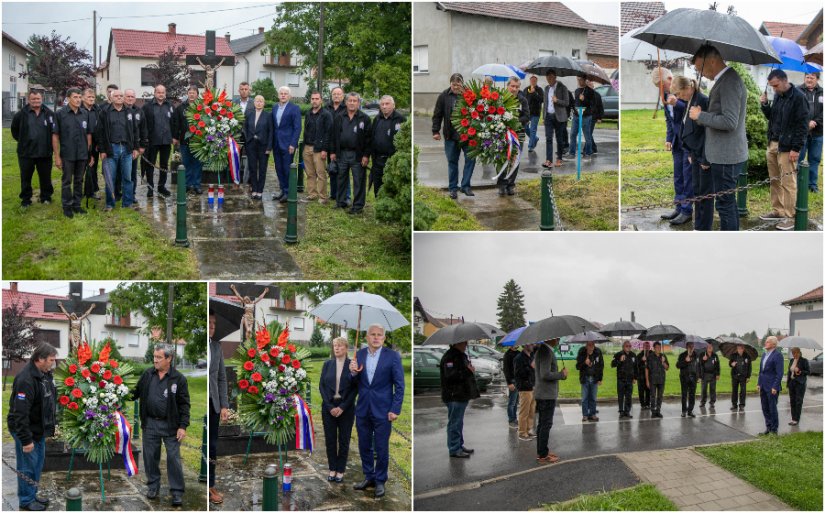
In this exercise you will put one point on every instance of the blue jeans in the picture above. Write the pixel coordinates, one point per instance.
(453, 150)
(194, 167)
(589, 391)
(724, 177)
(769, 410)
(30, 464)
(455, 425)
(119, 162)
(682, 180)
(512, 406)
(533, 131)
(588, 136)
(813, 150)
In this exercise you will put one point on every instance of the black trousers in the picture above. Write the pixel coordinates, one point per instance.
(738, 390)
(510, 182)
(688, 393)
(72, 183)
(797, 394)
(656, 393)
(377, 172)
(348, 161)
(151, 154)
(709, 383)
(644, 393)
(546, 408)
(155, 433)
(257, 159)
(625, 391)
(44, 175)
(337, 432)
(214, 423)
(92, 175)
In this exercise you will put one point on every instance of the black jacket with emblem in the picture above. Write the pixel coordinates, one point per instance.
(742, 369)
(709, 368)
(625, 370)
(458, 383)
(177, 396)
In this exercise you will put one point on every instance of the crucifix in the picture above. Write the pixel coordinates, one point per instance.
(209, 61)
(76, 311)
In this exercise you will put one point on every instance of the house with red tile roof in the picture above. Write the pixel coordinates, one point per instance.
(805, 316)
(130, 52)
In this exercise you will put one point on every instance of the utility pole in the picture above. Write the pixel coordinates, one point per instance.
(170, 309)
(321, 51)
(94, 46)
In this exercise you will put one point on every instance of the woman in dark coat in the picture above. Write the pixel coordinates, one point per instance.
(693, 138)
(258, 133)
(798, 370)
(338, 408)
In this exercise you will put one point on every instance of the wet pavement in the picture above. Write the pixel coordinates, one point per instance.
(432, 163)
(650, 220)
(501, 213)
(122, 493)
(241, 238)
(500, 456)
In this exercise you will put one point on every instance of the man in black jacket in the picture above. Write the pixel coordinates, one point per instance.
(590, 364)
(740, 374)
(458, 387)
(688, 365)
(164, 413)
(585, 98)
(317, 131)
(507, 179)
(71, 143)
(625, 364)
(787, 130)
(641, 373)
(31, 420)
(384, 127)
(31, 127)
(140, 123)
(161, 135)
(90, 185)
(335, 107)
(512, 393)
(351, 151)
(598, 114)
(118, 139)
(812, 149)
(535, 99)
(709, 374)
(442, 113)
(524, 377)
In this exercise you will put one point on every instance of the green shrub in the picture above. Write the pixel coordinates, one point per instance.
(756, 127)
(424, 216)
(394, 203)
(266, 88)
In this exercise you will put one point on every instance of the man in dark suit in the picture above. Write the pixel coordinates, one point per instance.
(769, 384)
(246, 103)
(556, 105)
(379, 376)
(286, 117)
(218, 404)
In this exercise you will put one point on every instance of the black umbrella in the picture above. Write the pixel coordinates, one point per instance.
(594, 72)
(661, 332)
(727, 346)
(686, 30)
(228, 316)
(554, 327)
(698, 342)
(463, 332)
(587, 336)
(622, 328)
(563, 66)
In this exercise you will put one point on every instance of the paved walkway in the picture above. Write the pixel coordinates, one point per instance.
(501, 213)
(694, 483)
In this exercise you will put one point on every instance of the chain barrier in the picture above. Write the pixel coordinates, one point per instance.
(144, 159)
(709, 196)
(559, 227)
(21, 475)
(763, 226)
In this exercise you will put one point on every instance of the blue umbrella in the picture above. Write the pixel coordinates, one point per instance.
(511, 337)
(499, 72)
(792, 56)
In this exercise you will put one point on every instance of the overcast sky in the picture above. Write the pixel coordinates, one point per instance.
(757, 12)
(705, 284)
(603, 13)
(61, 288)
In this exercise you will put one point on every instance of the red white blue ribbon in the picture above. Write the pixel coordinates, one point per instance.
(234, 160)
(513, 157)
(304, 429)
(123, 444)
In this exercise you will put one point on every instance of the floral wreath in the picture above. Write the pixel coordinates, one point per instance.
(214, 123)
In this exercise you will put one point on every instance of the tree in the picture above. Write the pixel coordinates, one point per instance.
(58, 64)
(19, 333)
(189, 311)
(395, 196)
(511, 307)
(266, 88)
(370, 48)
(317, 338)
(172, 72)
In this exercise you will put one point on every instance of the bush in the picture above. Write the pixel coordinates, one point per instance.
(424, 216)
(266, 88)
(394, 204)
(756, 127)
(317, 338)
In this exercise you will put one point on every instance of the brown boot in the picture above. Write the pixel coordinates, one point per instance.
(215, 497)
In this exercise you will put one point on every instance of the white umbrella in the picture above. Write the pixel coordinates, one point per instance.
(800, 342)
(499, 72)
(352, 310)
(631, 49)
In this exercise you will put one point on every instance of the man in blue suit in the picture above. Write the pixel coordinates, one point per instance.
(379, 376)
(771, 370)
(286, 117)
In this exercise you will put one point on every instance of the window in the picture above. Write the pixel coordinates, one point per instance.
(106, 334)
(270, 318)
(293, 80)
(577, 54)
(546, 53)
(421, 59)
(49, 336)
(147, 77)
(132, 340)
(12, 62)
(809, 308)
(298, 323)
(264, 74)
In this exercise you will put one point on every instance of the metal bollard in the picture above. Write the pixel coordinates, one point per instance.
(204, 453)
(180, 232)
(742, 195)
(291, 236)
(309, 391)
(136, 422)
(547, 219)
(579, 148)
(74, 500)
(270, 502)
(801, 218)
(301, 166)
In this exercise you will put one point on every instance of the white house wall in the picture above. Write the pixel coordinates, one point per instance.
(22, 84)
(248, 68)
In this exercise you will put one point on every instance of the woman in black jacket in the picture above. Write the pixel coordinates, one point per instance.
(258, 133)
(693, 138)
(798, 370)
(337, 408)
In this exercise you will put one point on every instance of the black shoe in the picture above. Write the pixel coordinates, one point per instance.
(163, 191)
(152, 494)
(467, 191)
(691, 415)
(629, 416)
(363, 485)
(198, 191)
(511, 191)
(330, 478)
(670, 216)
(460, 454)
(502, 191)
(468, 451)
(454, 194)
(149, 192)
(659, 415)
(42, 500)
(354, 211)
(177, 500)
(78, 210)
(764, 433)
(27, 204)
(682, 218)
(701, 405)
(684, 414)
(734, 408)
(68, 213)
(379, 490)
(742, 408)
(338, 479)
(282, 199)
(34, 506)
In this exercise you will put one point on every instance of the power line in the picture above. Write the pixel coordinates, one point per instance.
(246, 21)
(186, 13)
(43, 22)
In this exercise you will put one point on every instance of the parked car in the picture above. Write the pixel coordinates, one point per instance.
(201, 364)
(494, 366)
(482, 351)
(610, 99)
(816, 364)
(426, 373)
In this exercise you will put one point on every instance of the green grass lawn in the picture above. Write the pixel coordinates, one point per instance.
(590, 204)
(39, 243)
(787, 466)
(647, 168)
(451, 217)
(643, 497)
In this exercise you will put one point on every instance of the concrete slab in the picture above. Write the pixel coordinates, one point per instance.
(501, 213)
(650, 220)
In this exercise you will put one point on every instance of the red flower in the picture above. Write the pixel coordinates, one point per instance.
(501, 111)
(291, 348)
(485, 93)
(252, 389)
(69, 382)
(85, 373)
(107, 374)
(248, 366)
(95, 368)
(265, 357)
(192, 128)
(228, 103)
(275, 351)
(262, 338)
(489, 118)
(223, 112)
(494, 95)
(491, 109)
(77, 393)
(251, 353)
(256, 377)
(471, 131)
(230, 115)
(463, 137)
(72, 405)
(73, 369)
(474, 115)
(64, 400)
(102, 384)
(286, 359)
(480, 107)
(296, 364)
(118, 380)
(473, 142)
(243, 384)
(113, 364)
(200, 107)
(469, 96)
(202, 124)
(281, 368)
(464, 111)
(196, 116)
(198, 133)
(465, 122)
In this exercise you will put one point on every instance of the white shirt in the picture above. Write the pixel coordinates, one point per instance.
(720, 73)
(243, 104)
(551, 91)
(767, 353)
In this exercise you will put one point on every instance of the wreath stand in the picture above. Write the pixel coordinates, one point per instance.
(282, 449)
(99, 471)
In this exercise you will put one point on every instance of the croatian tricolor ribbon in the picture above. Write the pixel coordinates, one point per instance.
(234, 160)
(512, 160)
(123, 444)
(304, 429)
